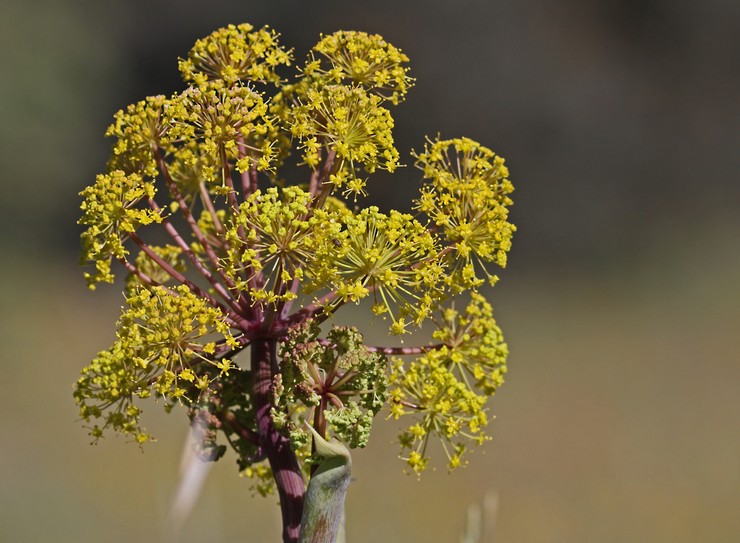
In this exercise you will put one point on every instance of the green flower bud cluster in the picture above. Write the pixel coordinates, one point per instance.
(252, 261)
(337, 380)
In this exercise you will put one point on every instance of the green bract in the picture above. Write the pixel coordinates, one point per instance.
(249, 257)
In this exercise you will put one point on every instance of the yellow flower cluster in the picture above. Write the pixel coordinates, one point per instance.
(350, 122)
(362, 59)
(467, 197)
(109, 211)
(235, 53)
(448, 409)
(272, 235)
(221, 117)
(167, 345)
(473, 345)
(392, 257)
(447, 386)
(138, 130)
(170, 337)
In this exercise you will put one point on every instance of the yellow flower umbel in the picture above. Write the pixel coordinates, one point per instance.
(139, 131)
(221, 118)
(446, 387)
(350, 123)
(362, 59)
(168, 344)
(389, 257)
(173, 335)
(467, 197)
(273, 241)
(448, 410)
(235, 53)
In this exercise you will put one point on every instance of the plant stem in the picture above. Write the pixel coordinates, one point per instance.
(286, 471)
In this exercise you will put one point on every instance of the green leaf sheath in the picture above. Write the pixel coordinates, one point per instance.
(323, 507)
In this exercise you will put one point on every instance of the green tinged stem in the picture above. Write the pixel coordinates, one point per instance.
(323, 509)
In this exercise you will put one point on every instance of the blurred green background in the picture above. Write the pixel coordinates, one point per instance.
(620, 122)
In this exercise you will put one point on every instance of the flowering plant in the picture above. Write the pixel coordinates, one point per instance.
(246, 262)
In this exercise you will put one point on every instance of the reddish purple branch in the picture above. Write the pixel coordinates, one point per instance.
(313, 183)
(177, 196)
(138, 273)
(404, 351)
(323, 187)
(226, 177)
(234, 317)
(208, 204)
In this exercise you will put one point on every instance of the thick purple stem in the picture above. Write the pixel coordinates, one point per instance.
(284, 464)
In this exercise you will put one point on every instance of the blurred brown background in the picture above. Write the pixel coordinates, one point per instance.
(620, 122)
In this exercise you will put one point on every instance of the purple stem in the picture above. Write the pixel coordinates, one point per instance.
(288, 477)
